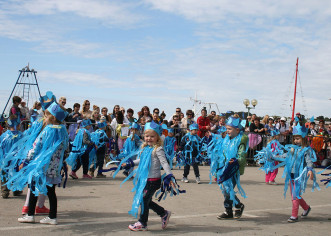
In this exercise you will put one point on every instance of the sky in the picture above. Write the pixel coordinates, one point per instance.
(160, 53)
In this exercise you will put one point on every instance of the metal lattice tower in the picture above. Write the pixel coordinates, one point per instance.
(25, 87)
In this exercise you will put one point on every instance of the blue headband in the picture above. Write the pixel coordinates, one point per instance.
(57, 111)
(300, 130)
(194, 126)
(102, 124)
(85, 123)
(154, 126)
(234, 122)
(171, 130)
(47, 100)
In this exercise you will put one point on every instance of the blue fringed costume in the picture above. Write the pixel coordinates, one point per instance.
(147, 179)
(298, 164)
(81, 153)
(228, 163)
(266, 157)
(169, 147)
(190, 146)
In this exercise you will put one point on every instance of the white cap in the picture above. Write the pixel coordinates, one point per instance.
(283, 118)
(271, 118)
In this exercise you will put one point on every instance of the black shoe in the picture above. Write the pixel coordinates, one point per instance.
(292, 220)
(100, 176)
(238, 212)
(305, 213)
(17, 193)
(225, 216)
(5, 194)
(126, 173)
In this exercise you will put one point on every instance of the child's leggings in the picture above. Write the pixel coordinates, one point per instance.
(150, 189)
(52, 202)
(297, 202)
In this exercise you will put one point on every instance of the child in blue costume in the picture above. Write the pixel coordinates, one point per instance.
(266, 157)
(100, 138)
(80, 153)
(42, 166)
(169, 146)
(7, 140)
(298, 169)
(228, 165)
(190, 146)
(131, 146)
(148, 177)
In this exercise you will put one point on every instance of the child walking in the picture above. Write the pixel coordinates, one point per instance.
(81, 148)
(148, 177)
(41, 169)
(228, 164)
(298, 169)
(190, 145)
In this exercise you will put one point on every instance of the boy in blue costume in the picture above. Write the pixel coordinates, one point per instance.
(100, 138)
(80, 153)
(228, 165)
(190, 146)
(7, 140)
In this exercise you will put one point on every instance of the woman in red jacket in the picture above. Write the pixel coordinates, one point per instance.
(204, 123)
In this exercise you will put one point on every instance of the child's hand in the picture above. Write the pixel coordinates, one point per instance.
(21, 166)
(310, 175)
(172, 184)
(231, 161)
(123, 165)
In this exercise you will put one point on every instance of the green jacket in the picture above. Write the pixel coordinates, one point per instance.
(242, 153)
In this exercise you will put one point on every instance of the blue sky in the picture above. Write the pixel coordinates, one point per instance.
(160, 52)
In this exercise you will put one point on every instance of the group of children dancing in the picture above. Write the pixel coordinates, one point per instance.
(36, 159)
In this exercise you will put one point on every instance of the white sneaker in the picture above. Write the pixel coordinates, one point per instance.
(184, 179)
(272, 183)
(49, 221)
(26, 219)
(198, 180)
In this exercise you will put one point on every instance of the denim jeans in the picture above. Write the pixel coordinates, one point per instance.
(150, 189)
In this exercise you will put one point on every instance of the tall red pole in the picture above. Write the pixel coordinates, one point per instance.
(295, 88)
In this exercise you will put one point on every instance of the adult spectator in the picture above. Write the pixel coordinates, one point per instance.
(75, 115)
(104, 113)
(115, 110)
(188, 120)
(156, 116)
(178, 111)
(214, 123)
(265, 120)
(86, 112)
(283, 129)
(145, 115)
(163, 115)
(96, 108)
(204, 123)
(312, 129)
(270, 125)
(176, 125)
(213, 114)
(63, 101)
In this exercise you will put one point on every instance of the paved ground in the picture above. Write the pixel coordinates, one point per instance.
(100, 206)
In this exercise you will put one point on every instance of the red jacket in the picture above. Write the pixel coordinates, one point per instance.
(203, 122)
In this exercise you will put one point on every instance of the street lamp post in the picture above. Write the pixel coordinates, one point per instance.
(246, 103)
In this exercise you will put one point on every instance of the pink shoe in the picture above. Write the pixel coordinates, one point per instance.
(87, 177)
(25, 210)
(42, 210)
(165, 219)
(137, 227)
(73, 175)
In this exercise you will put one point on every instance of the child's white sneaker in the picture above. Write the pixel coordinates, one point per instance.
(185, 180)
(49, 221)
(26, 219)
(198, 180)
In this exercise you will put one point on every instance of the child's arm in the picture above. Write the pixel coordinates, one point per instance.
(163, 160)
(309, 164)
